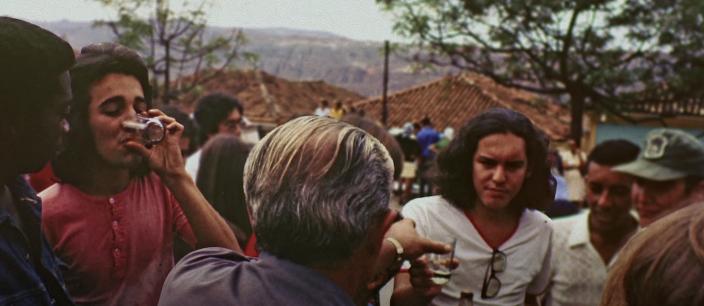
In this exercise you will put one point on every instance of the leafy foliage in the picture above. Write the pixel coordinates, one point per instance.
(602, 53)
(174, 43)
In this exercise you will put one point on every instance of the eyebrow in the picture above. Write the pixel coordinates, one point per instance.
(491, 158)
(119, 98)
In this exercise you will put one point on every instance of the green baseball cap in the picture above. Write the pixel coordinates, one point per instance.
(668, 154)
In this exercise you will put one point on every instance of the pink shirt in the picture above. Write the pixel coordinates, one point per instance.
(118, 249)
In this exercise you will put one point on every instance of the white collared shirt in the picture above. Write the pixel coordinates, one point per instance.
(578, 272)
(527, 252)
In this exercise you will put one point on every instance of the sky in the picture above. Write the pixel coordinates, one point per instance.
(356, 19)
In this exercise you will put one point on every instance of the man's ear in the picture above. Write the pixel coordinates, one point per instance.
(391, 217)
(695, 194)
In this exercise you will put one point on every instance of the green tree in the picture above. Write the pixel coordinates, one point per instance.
(175, 44)
(601, 53)
(676, 27)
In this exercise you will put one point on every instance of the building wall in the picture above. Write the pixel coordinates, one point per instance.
(609, 128)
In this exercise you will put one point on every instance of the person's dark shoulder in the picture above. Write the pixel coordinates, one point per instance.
(208, 256)
(205, 276)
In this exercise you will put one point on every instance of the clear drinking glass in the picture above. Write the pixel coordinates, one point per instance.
(151, 130)
(441, 264)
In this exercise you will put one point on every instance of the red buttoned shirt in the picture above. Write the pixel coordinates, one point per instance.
(117, 249)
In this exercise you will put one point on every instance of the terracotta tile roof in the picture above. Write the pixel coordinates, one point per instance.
(270, 99)
(452, 100)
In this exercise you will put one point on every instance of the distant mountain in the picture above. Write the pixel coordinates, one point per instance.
(298, 55)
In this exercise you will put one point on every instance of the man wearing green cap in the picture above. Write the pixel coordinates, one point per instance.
(669, 174)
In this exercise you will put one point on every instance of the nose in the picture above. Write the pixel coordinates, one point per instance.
(129, 116)
(603, 200)
(499, 175)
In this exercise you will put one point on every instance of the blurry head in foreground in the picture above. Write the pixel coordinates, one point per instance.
(662, 265)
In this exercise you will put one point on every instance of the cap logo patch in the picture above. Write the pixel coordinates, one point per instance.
(655, 147)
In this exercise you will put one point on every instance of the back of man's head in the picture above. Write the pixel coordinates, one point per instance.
(33, 93)
(426, 121)
(211, 110)
(381, 134)
(31, 60)
(613, 152)
(316, 187)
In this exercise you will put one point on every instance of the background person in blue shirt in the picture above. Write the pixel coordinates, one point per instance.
(34, 94)
(427, 136)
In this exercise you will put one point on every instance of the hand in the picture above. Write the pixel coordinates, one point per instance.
(414, 245)
(420, 277)
(165, 157)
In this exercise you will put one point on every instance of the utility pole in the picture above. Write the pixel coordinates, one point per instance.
(385, 108)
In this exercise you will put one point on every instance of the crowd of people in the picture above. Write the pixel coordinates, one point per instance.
(200, 214)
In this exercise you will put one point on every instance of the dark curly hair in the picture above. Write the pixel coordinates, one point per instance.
(454, 164)
(213, 109)
(94, 63)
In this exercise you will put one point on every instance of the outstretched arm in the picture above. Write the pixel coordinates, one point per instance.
(420, 290)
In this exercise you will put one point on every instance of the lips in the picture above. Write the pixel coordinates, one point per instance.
(495, 192)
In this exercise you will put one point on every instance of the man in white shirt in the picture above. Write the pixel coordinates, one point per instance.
(585, 245)
(215, 114)
(323, 110)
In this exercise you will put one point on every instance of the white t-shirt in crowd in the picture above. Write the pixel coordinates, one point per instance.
(193, 164)
(527, 252)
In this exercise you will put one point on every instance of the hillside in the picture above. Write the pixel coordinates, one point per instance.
(297, 55)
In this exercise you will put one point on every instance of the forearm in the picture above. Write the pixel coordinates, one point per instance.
(386, 258)
(208, 226)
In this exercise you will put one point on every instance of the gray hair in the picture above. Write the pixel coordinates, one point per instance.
(315, 187)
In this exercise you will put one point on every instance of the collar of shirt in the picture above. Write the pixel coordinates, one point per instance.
(20, 193)
(579, 235)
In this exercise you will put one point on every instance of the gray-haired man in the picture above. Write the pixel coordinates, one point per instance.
(318, 194)
(669, 174)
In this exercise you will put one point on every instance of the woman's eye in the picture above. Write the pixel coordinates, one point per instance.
(111, 109)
